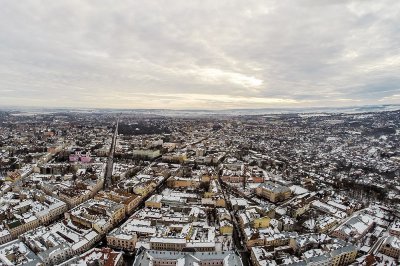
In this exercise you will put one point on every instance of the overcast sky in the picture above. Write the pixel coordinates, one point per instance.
(199, 54)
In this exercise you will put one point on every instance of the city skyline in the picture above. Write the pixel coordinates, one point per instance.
(199, 55)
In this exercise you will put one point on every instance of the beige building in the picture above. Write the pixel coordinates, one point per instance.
(343, 256)
(164, 243)
(158, 258)
(183, 182)
(101, 215)
(154, 202)
(130, 201)
(394, 229)
(17, 228)
(281, 239)
(125, 236)
(127, 242)
(143, 153)
(21, 216)
(174, 157)
(145, 188)
(391, 247)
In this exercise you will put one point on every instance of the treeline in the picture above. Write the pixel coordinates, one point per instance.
(381, 131)
(3, 116)
(142, 129)
(368, 192)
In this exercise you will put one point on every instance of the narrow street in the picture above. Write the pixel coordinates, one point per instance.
(376, 246)
(237, 233)
(110, 159)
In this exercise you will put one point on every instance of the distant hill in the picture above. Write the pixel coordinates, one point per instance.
(224, 112)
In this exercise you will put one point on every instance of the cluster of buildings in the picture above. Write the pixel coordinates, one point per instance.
(181, 217)
(24, 210)
(295, 189)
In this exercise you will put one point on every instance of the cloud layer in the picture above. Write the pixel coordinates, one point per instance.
(199, 54)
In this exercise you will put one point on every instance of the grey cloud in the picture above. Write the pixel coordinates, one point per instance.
(153, 53)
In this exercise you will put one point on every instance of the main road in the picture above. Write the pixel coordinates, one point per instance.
(110, 159)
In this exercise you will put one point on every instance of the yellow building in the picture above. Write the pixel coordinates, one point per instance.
(273, 191)
(262, 222)
(205, 178)
(208, 194)
(220, 202)
(226, 228)
(145, 188)
(253, 217)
